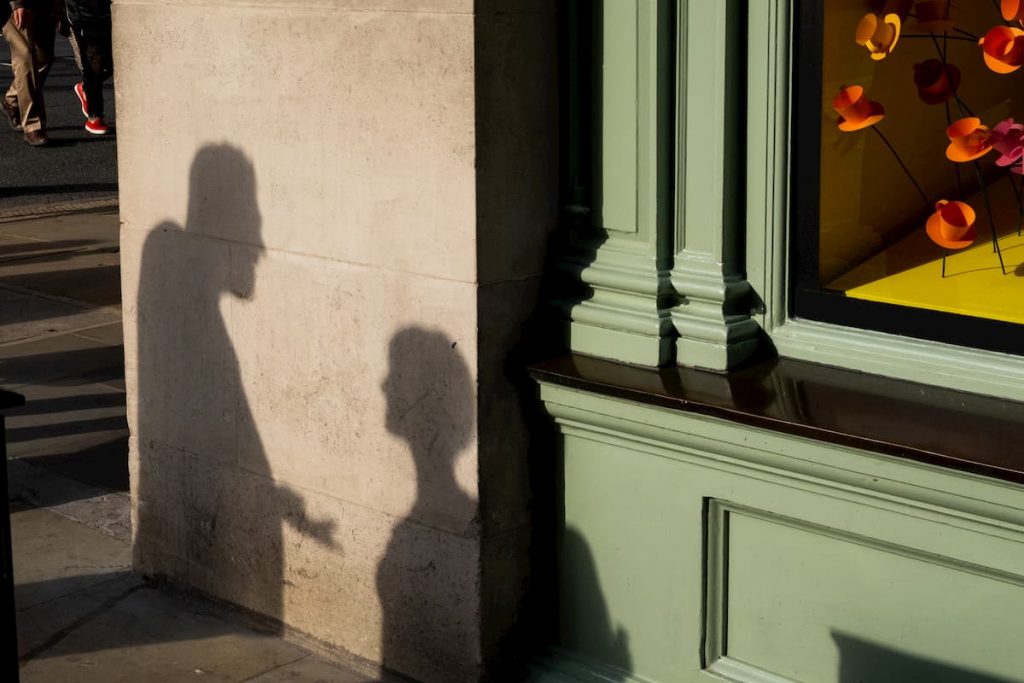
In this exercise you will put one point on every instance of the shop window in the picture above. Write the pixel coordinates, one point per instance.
(908, 163)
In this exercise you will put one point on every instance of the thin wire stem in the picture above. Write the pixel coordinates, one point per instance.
(899, 160)
(969, 35)
(931, 35)
(991, 220)
(999, 10)
(1020, 203)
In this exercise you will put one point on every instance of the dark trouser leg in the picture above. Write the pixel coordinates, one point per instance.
(96, 66)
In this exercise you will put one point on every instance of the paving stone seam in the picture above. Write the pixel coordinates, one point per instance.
(88, 588)
(49, 209)
(277, 667)
(110, 249)
(74, 332)
(60, 635)
(52, 297)
(83, 332)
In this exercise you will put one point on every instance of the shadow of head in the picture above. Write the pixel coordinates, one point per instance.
(429, 395)
(223, 205)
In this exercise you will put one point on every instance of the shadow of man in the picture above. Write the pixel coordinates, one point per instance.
(207, 512)
(428, 579)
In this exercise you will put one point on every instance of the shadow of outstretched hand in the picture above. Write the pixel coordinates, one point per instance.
(294, 507)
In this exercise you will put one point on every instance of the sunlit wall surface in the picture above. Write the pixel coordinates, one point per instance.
(921, 169)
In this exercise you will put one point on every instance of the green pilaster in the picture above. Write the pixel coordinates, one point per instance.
(713, 318)
(616, 193)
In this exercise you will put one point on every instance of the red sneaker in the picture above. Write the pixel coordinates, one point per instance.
(96, 126)
(80, 91)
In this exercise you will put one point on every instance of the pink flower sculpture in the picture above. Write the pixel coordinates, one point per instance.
(1007, 138)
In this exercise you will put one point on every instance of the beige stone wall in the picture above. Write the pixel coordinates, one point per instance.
(334, 219)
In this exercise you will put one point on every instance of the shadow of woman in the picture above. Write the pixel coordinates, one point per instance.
(207, 514)
(428, 579)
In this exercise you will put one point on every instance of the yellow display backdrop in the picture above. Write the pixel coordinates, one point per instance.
(907, 89)
(909, 272)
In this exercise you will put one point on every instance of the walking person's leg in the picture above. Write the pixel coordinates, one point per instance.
(24, 93)
(96, 68)
(43, 34)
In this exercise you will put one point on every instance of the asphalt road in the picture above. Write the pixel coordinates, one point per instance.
(76, 165)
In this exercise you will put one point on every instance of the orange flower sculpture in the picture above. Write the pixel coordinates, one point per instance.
(1003, 49)
(933, 16)
(855, 110)
(968, 140)
(1013, 10)
(936, 82)
(879, 34)
(952, 225)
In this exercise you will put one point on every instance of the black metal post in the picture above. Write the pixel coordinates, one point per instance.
(10, 664)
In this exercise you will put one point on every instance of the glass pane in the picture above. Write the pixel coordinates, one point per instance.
(920, 159)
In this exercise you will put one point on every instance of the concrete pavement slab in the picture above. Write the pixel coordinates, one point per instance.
(108, 334)
(66, 359)
(149, 635)
(97, 508)
(83, 616)
(70, 258)
(14, 248)
(100, 227)
(54, 557)
(42, 625)
(24, 316)
(62, 419)
(93, 278)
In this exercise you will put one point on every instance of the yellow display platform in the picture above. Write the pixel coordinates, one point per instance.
(909, 273)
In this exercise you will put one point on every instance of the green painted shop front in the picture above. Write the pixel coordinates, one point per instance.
(748, 495)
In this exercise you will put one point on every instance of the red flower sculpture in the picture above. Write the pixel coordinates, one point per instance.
(968, 140)
(952, 225)
(933, 16)
(932, 79)
(1007, 138)
(855, 110)
(1003, 48)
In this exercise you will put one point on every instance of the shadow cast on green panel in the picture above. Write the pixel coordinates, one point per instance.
(586, 625)
(862, 660)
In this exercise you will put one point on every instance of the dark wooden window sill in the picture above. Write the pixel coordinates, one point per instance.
(944, 427)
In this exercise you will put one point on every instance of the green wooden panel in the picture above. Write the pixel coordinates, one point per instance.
(615, 115)
(698, 548)
(812, 603)
(624, 597)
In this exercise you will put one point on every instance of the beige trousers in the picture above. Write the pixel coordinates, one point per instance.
(31, 57)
